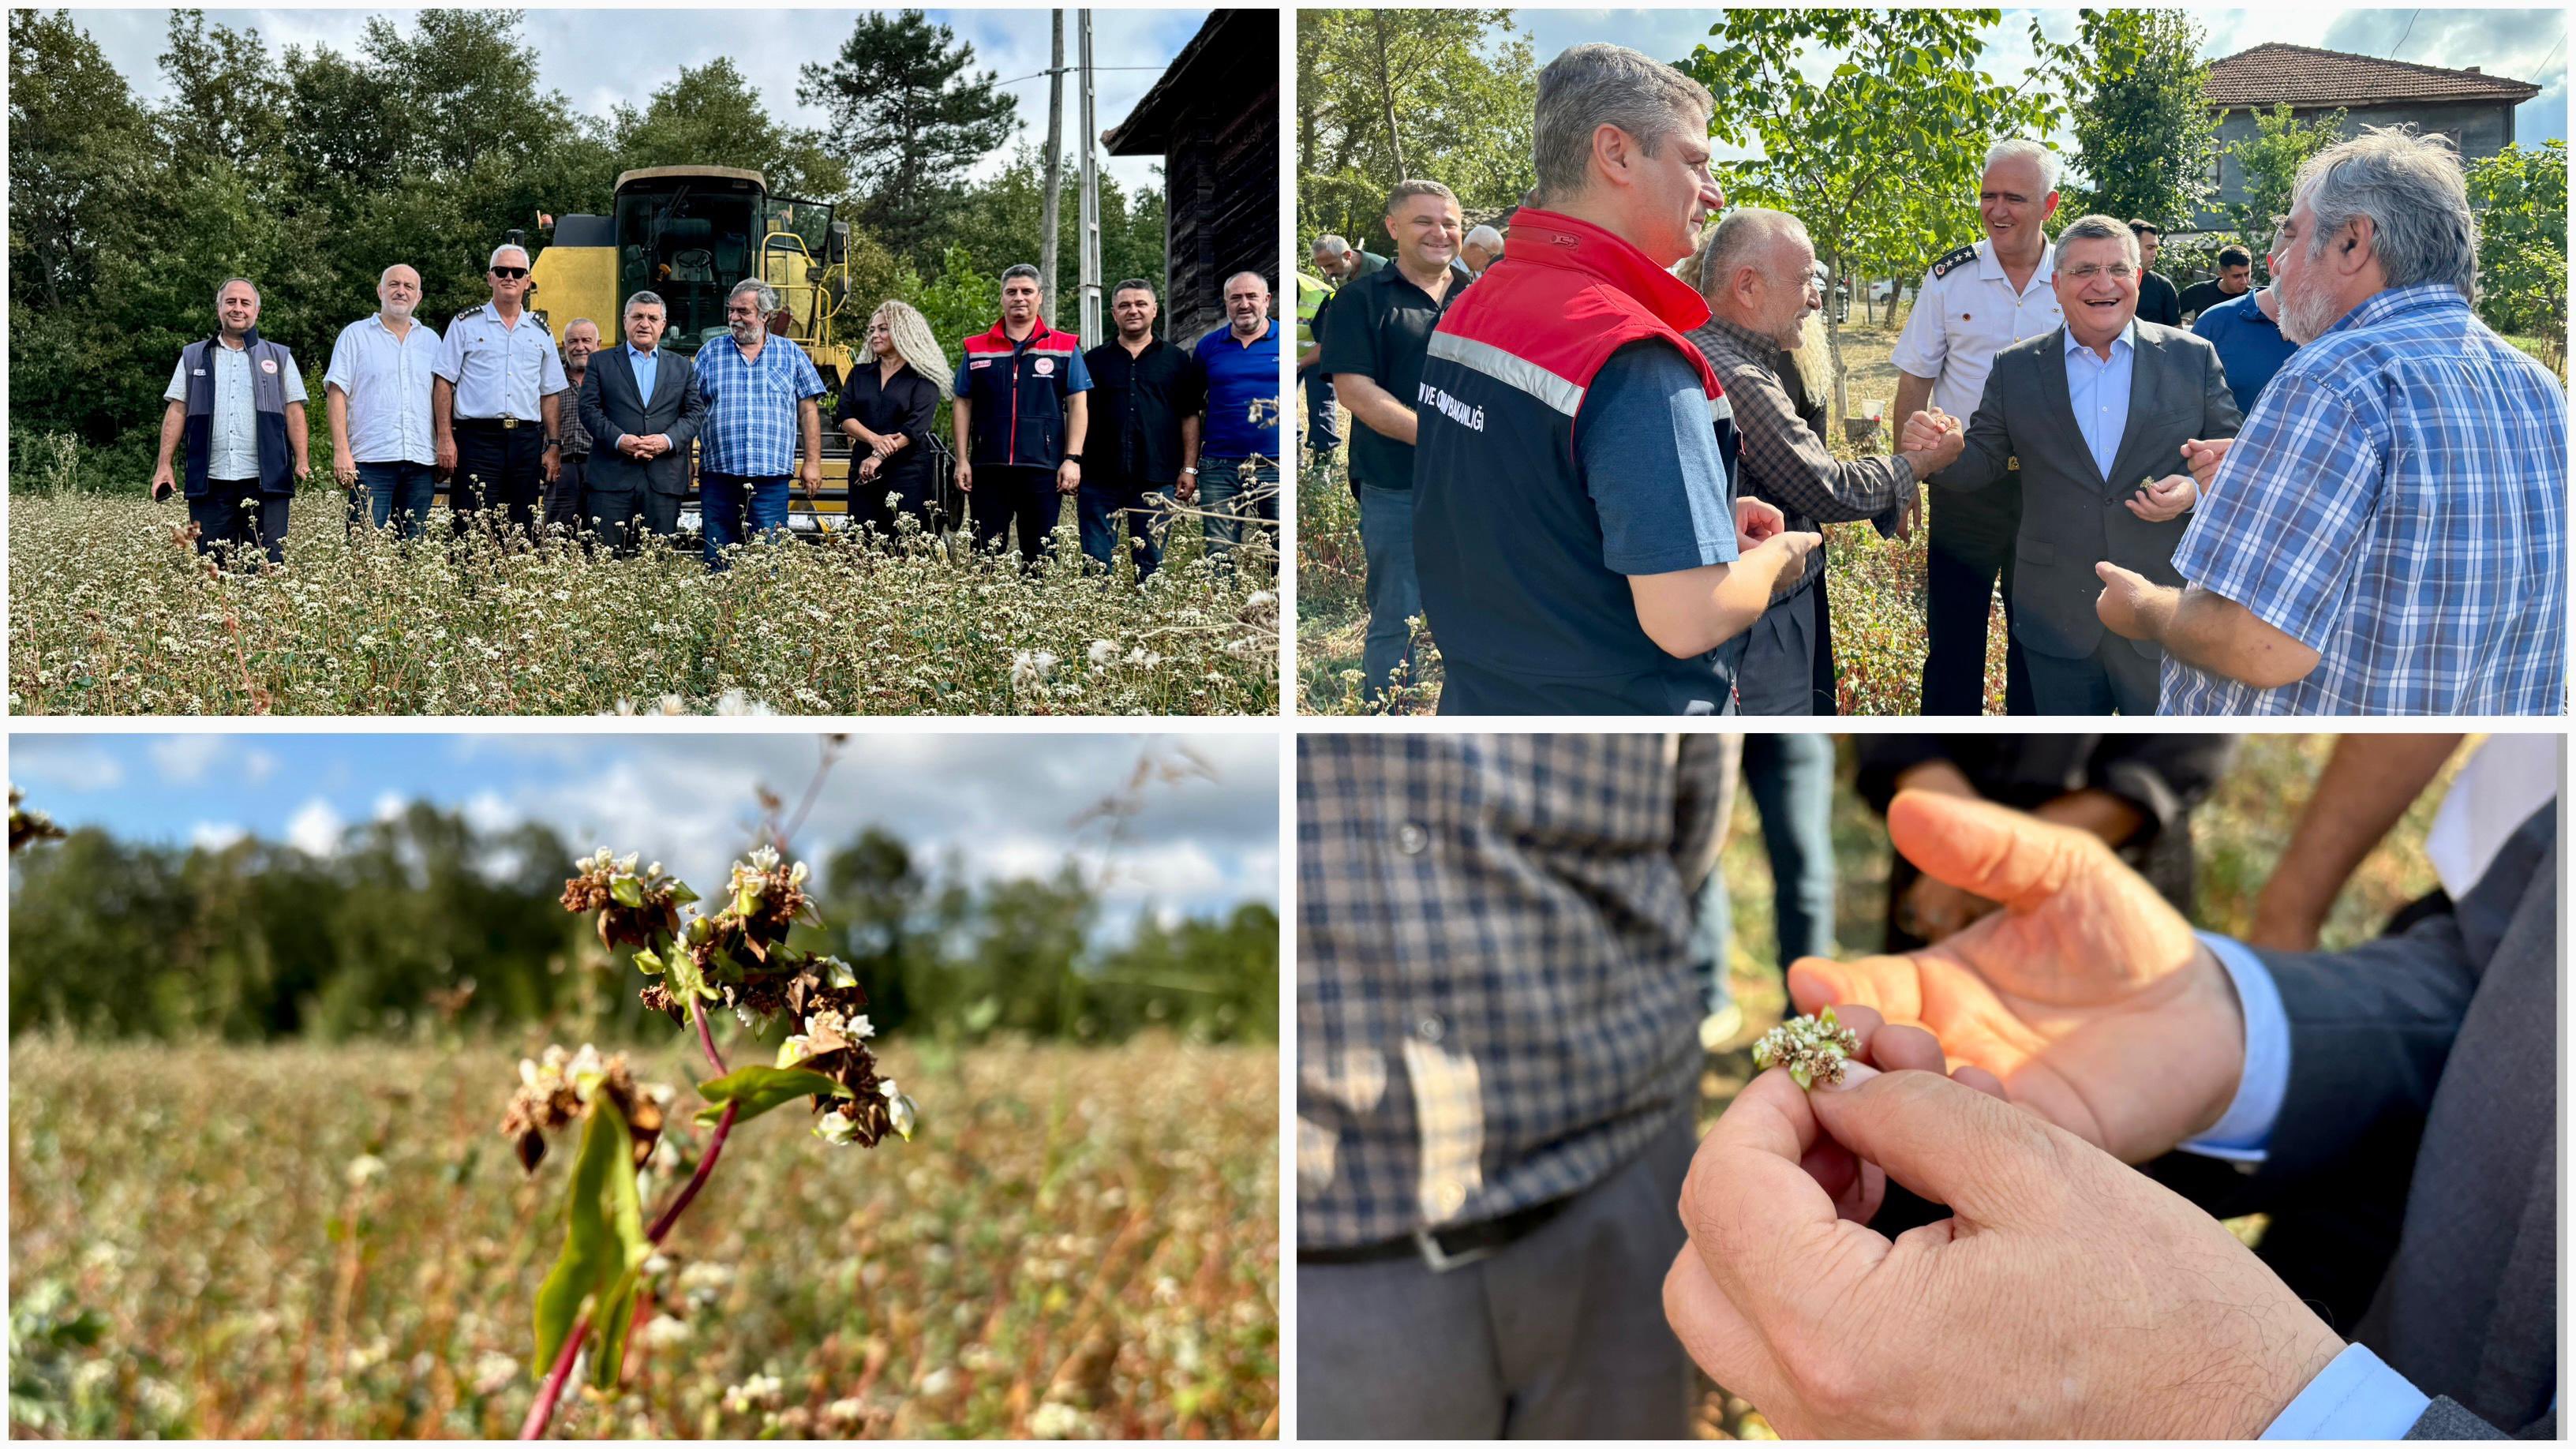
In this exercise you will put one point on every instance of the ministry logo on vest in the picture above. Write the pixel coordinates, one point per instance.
(1044, 366)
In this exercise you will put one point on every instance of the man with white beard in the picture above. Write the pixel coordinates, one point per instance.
(377, 395)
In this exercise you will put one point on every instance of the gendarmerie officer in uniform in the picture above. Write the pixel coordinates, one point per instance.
(497, 403)
(1975, 302)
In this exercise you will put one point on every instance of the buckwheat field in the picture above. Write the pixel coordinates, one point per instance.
(111, 612)
(315, 1242)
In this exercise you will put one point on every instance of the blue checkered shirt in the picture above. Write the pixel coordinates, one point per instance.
(750, 430)
(1495, 1001)
(2396, 502)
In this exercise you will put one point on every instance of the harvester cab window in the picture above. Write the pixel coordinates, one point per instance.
(691, 246)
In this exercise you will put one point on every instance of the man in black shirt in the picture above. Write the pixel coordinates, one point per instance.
(1144, 432)
(2157, 299)
(1375, 338)
(2235, 279)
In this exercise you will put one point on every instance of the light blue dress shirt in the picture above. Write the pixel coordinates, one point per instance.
(386, 379)
(648, 366)
(2357, 1396)
(2100, 393)
(498, 370)
(232, 446)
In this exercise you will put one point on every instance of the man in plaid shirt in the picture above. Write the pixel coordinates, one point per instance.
(760, 391)
(2388, 533)
(1757, 269)
(1497, 1059)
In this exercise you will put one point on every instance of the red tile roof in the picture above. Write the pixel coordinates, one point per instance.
(2303, 76)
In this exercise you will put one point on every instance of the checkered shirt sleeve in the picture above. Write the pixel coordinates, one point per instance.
(1495, 1002)
(1784, 460)
(2396, 503)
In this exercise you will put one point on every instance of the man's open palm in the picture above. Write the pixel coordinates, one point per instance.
(2087, 993)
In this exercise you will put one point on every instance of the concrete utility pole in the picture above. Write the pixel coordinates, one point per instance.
(1090, 200)
(1054, 174)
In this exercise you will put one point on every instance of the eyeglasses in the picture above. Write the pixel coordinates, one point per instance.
(509, 273)
(2119, 273)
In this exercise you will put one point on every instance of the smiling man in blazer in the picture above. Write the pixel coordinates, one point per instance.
(2094, 418)
(642, 409)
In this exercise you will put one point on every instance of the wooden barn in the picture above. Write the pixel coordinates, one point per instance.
(1213, 117)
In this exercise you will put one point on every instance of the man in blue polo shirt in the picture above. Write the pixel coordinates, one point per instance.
(1239, 452)
(2247, 334)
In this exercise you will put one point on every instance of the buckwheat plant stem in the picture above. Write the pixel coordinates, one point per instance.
(541, 1413)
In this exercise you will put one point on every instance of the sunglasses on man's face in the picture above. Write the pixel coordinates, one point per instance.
(509, 273)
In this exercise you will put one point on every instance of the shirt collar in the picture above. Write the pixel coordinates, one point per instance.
(1001, 333)
(1268, 325)
(1759, 348)
(655, 354)
(1991, 267)
(2396, 301)
(1558, 240)
(2128, 338)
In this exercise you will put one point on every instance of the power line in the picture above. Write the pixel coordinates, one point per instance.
(1068, 70)
(2543, 67)
(2401, 35)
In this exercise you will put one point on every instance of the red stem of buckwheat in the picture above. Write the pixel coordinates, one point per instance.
(541, 1413)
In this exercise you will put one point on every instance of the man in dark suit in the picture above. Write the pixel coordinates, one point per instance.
(642, 410)
(2118, 1033)
(2094, 418)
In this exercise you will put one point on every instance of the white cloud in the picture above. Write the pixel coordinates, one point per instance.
(489, 813)
(64, 764)
(184, 759)
(390, 805)
(315, 829)
(257, 766)
(215, 835)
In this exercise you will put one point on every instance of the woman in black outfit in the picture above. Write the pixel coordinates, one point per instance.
(887, 408)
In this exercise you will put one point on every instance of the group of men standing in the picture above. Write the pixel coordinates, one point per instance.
(1600, 484)
(600, 440)
(1195, 427)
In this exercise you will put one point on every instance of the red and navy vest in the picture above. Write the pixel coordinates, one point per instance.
(1507, 542)
(1017, 393)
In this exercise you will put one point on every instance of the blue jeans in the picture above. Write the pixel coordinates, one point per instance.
(1105, 509)
(1221, 486)
(387, 489)
(1323, 429)
(1791, 778)
(1394, 594)
(720, 506)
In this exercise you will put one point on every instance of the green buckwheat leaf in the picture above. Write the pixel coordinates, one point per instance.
(760, 1088)
(603, 1235)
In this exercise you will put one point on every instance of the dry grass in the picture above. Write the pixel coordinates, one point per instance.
(333, 1242)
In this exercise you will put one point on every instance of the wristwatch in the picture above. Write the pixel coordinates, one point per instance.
(1192, 470)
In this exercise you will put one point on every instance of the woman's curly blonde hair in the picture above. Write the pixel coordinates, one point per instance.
(912, 341)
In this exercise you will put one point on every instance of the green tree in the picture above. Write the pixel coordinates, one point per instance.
(712, 116)
(78, 145)
(1880, 156)
(2270, 160)
(909, 117)
(1000, 222)
(2521, 199)
(2144, 133)
(1390, 94)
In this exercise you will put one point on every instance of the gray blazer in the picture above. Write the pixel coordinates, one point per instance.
(2071, 516)
(2453, 1026)
(611, 407)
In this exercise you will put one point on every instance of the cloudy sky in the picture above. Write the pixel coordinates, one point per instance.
(2525, 44)
(1008, 802)
(1129, 49)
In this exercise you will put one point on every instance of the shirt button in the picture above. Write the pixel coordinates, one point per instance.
(1453, 1196)
(1431, 1028)
(1412, 838)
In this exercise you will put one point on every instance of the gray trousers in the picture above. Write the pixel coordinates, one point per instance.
(1559, 1336)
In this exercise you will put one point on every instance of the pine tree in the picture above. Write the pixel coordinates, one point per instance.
(909, 115)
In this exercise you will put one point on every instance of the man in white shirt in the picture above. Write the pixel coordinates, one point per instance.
(377, 397)
(496, 402)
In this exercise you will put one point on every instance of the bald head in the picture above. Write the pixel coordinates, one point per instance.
(397, 292)
(1757, 270)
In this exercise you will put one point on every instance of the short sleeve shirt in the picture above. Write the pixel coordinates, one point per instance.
(1380, 328)
(750, 430)
(232, 450)
(1965, 315)
(387, 380)
(1238, 378)
(1659, 474)
(501, 371)
(1137, 404)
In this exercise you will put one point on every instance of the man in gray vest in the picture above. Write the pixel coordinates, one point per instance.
(238, 401)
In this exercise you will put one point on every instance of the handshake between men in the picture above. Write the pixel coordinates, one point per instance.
(2069, 1295)
(1943, 435)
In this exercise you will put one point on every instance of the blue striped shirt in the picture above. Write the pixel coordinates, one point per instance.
(750, 431)
(2396, 502)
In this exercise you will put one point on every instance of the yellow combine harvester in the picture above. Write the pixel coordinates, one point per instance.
(690, 233)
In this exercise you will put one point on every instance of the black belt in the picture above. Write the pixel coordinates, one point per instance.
(495, 424)
(1445, 1248)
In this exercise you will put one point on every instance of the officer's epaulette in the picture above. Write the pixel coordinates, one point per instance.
(1955, 260)
(461, 316)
